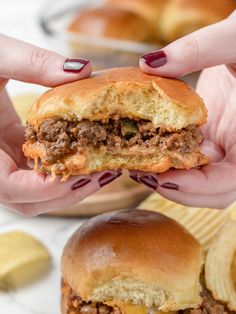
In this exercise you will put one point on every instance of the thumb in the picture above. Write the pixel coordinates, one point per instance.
(210, 46)
(28, 63)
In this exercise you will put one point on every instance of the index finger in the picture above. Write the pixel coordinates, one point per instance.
(25, 62)
(210, 46)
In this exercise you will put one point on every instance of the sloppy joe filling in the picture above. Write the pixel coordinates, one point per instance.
(62, 137)
(75, 305)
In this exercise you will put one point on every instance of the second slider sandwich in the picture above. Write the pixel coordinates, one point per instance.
(131, 262)
(118, 118)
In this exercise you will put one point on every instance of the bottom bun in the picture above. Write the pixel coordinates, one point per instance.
(72, 303)
(135, 158)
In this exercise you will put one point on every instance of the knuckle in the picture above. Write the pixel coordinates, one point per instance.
(221, 206)
(27, 210)
(38, 60)
(6, 197)
(192, 50)
(23, 210)
(227, 204)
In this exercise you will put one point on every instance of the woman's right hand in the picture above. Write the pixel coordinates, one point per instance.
(22, 190)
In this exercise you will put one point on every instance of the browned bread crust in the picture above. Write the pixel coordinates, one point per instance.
(116, 94)
(134, 249)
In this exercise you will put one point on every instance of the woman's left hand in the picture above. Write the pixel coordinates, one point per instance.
(214, 185)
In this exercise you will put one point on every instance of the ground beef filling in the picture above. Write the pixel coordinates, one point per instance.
(61, 137)
(75, 305)
(209, 306)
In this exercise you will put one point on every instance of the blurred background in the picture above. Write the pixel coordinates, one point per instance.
(110, 33)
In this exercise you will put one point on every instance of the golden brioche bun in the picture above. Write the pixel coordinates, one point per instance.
(134, 256)
(122, 93)
(150, 10)
(181, 17)
(115, 23)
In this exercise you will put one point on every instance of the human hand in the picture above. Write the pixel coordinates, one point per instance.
(213, 185)
(23, 190)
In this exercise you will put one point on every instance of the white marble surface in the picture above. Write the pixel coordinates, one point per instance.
(18, 18)
(42, 297)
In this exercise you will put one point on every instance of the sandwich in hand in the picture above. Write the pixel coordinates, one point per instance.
(118, 118)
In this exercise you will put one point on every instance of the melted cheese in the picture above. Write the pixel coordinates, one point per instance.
(135, 309)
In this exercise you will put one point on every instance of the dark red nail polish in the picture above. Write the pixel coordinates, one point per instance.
(74, 65)
(154, 59)
(80, 183)
(149, 181)
(119, 173)
(170, 186)
(108, 177)
(134, 177)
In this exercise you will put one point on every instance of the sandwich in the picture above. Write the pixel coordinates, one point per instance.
(142, 262)
(118, 118)
(115, 23)
(150, 10)
(131, 262)
(182, 17)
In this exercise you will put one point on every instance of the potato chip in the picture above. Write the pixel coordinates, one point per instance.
(232, 209)
(203, 223)
(233, 269)
(219, 259)
(22, 259)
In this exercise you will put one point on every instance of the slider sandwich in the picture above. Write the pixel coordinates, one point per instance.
(135, 262)
(118, 118)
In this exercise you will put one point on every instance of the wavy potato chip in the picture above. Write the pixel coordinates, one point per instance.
(232, 209)
(216, 231)
(218, 265)
(203, 223)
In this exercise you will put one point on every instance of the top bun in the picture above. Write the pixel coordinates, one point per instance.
(115, 23)
(134, 256)
(123, 92)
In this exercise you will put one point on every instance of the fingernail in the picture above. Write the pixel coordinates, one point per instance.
(119, 173)
(170, 186)
(80, 183)
(149, 181)
(74, 65)
(108, 177)
(154, 59)
(134, 177)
